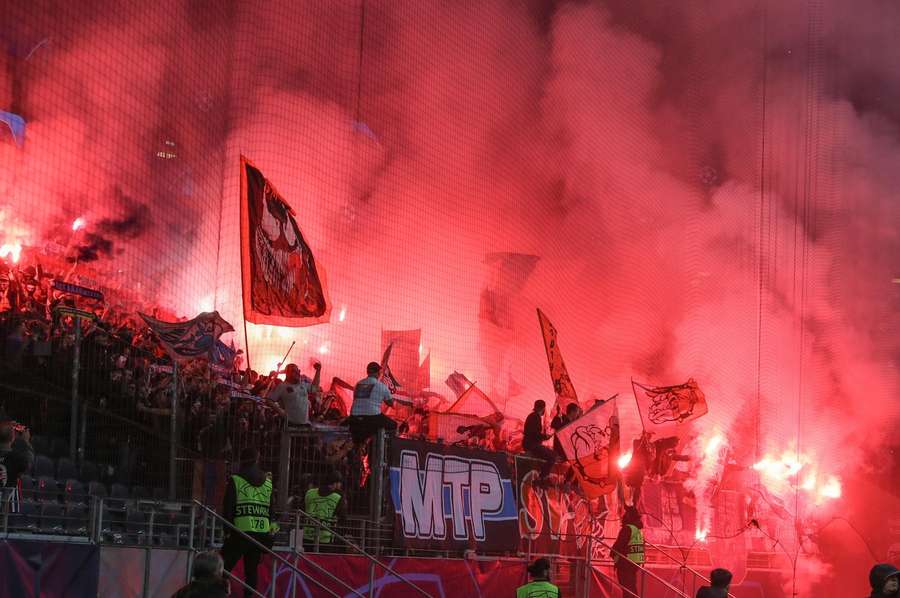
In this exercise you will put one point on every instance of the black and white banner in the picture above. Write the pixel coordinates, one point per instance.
(451, 498)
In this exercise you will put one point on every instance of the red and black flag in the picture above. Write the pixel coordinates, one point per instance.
(283, 285)
(664, 407)
(562, 384)
(402, 347)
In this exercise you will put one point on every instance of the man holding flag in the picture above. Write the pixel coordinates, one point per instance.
(534, 436)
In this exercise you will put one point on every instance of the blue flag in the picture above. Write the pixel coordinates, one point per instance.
(16, 126)
(192, 339)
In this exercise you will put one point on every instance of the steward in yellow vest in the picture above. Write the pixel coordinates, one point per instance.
(248, 505)
(539, 586)
(326, 504)
(628, 550)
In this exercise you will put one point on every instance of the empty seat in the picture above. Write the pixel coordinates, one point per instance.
(43, 466)
(89, 472)
(140, 493)
(53, 518)
(75, 492)
(136, 525)
(118, 496)
(112, 524)
(30, 515)
(77, 520)
(65, 469)
(40, 444)
(60, 448)
(47, 490)
(159, 494)
(97, 489)
(27, 483)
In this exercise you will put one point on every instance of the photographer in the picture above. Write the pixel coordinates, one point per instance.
(16, 456)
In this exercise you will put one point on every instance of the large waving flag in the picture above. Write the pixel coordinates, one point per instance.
(662, 408)
(193, 339)
(474, 402)
(591, 445)
(282, 282)
(402, 349)
(562, 384)
(458, 383)
(507, 275)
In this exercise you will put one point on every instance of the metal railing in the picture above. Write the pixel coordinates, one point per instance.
(682, 564)
(641, 570)
(320, 526)
(277, 557)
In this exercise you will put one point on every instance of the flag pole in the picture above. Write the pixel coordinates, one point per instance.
(246, 342)
(638, 405)
(240, 203)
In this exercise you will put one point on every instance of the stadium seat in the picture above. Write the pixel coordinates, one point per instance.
(60, 448)
(97, 489)
(43, 466)
(141, 493)
(40, 444)
(27, 483)
(47, 489)
(136, 525)
(113, 524)
(53, 518)
(30, 515)
(65, 469)
(118, 496)
(159, 494)
(89, 472)
(75, 492)
(77, 520)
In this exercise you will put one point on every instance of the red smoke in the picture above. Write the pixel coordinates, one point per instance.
(710, 190)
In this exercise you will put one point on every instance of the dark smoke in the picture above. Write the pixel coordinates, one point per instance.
(130, 226)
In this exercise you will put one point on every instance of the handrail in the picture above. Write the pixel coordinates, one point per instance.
(244, 584)
(625, 591)
(682, 565)
(319, 523)
(283, 560)
(645, 570)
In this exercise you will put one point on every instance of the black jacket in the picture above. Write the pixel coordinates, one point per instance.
(708, 592)
(203, 588)
(533, 434)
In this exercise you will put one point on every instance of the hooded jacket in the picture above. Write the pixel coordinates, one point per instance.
(877, 578)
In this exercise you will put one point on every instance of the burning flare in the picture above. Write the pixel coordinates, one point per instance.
(13, 250)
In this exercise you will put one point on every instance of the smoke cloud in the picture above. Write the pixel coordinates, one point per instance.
(710, 190)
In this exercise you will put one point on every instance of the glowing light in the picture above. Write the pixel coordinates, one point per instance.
(700, 535)
(343, 314)
(798, 471)
(323, 348)
(78, 223)
(810, 482)
(780, 469)
(713, 444)
(13, 250)
(831, 488)
(207, 303)
(624, 460)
